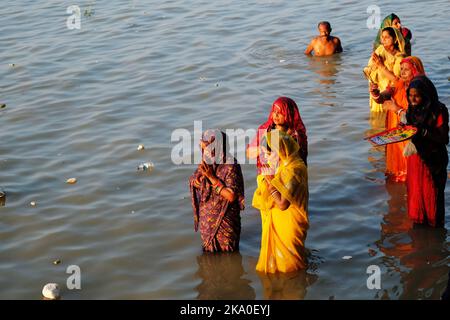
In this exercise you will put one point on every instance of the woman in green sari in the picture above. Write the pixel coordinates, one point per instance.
(393, 21)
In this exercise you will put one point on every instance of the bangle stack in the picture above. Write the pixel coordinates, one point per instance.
(375, 96)
(218, 186)
(273, 192)
(399, 111)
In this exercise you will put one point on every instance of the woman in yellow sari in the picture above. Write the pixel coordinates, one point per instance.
(282, 197)
(383, 68)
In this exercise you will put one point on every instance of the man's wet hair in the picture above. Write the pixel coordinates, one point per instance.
(326, 23)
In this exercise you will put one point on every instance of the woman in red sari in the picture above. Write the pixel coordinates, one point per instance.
(395, 102)
(427, 153)
(217, 190)
(283, 116)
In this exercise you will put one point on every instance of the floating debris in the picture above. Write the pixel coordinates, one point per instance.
(202, 78)
(281, 61)
(2, 198)
(12, 65)
(71, 180)
(56, 262)
(33, 203)
(372, 253)
(140, 147)
(146, 166)
(89, 12)
(51, 291)
(217, 84)
(346, 257)
(2, 105)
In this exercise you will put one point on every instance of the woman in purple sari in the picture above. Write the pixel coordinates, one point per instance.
(217, 190)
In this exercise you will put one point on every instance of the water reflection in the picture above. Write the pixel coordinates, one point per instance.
(418, 254)
(377, 154)
(222, 278)
(327, 69)
(288, 286)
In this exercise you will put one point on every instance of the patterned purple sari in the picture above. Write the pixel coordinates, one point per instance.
(219, 220)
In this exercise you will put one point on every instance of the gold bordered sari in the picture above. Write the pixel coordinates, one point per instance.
(283, 232)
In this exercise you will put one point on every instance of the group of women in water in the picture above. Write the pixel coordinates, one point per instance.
(398, 86)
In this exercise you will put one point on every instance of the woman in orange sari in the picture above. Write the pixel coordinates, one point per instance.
(395, 102)
(282, 198)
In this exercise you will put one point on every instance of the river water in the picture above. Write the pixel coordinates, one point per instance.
(80, 101)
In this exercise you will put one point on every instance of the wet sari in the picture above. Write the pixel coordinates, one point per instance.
(283, 232)
(427, 169)
(217, 218)
(396, 164)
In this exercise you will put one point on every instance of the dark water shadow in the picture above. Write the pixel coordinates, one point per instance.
(326, 69)
(286, 286)
(377, 154)
(222, 277)
(418, 254)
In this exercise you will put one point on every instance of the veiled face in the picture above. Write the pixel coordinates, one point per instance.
(208, 153)
(269, 157)
(414, 97)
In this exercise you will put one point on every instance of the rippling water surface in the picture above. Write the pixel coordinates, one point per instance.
(78, 102)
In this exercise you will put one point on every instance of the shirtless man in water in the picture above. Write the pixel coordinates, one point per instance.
(324, 45)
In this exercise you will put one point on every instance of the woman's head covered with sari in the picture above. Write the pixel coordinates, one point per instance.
(214, 145)
(399, 41)
(215, 153)
(415, 64)
(430, 104)
(430, 116)
(293, 121)
(291, 177)
(389, 22)
(283, 144)
(288, 108)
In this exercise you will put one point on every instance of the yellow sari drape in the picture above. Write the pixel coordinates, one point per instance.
(284, 232)
(392, 63)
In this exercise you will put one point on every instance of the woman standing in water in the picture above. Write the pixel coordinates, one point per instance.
(395, 102)
(282, 197)
(427, 153)
(383, 68)
(283, 116)
(217, 190)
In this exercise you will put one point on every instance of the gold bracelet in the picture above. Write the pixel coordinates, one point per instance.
(273, 192)
(219, 189)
